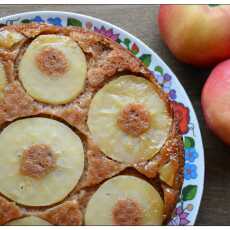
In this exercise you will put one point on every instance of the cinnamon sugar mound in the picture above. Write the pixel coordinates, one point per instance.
(52, 62)
(37, 161)
(127, 212)
(134, 119)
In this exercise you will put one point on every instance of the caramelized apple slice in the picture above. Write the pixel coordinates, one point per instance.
(29, 221)
(168, 172)
(125, 200)
(53, 69)
(41, 161)
(9, 38)
(134, 118)
(2, 80)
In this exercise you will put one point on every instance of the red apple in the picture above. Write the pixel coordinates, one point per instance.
(196, 34)
(216, 101)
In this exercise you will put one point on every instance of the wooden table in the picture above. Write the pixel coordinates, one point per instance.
(141, 21)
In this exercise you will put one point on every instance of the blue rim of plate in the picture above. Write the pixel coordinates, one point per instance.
(190, 198)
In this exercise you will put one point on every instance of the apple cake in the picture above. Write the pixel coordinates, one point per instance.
(87, 137)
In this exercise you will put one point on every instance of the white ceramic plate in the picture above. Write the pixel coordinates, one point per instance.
(188, 205)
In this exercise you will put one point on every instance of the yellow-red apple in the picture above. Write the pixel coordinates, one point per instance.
(196, 34)
(216, 101)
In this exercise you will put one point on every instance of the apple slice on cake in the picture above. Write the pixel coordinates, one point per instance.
(53, 69)
(125, 200)
(41, 161)
(128, 119)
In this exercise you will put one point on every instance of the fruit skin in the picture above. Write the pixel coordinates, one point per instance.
(196, 34)
(215, 101)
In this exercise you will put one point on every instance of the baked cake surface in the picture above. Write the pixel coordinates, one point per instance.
(87, 137)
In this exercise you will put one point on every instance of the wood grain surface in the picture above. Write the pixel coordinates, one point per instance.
(141, 21)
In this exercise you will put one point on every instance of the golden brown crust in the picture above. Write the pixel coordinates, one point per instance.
(9, 69)
(16, 103)
(99, 167)
(105, 61)
(8, 211)
(66, 214)
(31, 30)
(103, 69)
(84, 196)
(75, 116)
